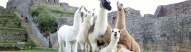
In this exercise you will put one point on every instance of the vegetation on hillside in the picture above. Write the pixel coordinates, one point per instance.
(46, 16)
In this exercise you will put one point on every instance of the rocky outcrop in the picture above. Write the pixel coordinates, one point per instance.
(173, 9)
(149, 16)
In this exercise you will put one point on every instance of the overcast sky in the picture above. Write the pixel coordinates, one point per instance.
(145, 6)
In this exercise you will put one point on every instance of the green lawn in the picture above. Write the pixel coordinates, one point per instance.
(30, 51)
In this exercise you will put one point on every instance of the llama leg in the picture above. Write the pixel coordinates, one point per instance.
(82, 47)
(68, 47)
(74, 47)
(88, 47)
(60, 45)
(94, 46)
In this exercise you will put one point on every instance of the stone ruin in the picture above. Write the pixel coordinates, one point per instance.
(168, 30)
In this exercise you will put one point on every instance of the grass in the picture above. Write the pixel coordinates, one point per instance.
(30, 51)
(35, 51)
(52, 10)
(7, 44)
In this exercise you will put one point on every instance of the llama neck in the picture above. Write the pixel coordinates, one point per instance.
(121, 20)
(87, 22)
(77, 22)
(102, 16)
(113, 43)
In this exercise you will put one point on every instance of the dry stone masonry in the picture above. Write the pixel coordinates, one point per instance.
(169, 30)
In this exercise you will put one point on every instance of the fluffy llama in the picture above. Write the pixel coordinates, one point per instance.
(83, 35)
(99, 28)
(126, 39)
(114, 40)
(69, 34)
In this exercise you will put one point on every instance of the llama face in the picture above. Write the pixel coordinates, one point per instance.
(105, 4)
(116, 33)
(88, 14)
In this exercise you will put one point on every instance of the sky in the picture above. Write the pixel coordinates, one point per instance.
(145, 6)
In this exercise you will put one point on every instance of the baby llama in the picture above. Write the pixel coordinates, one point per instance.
(98, 29)
(69, 34)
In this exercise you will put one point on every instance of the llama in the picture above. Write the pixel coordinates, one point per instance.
(126, 39)
(87, 22)
(98, 29)
(114, 38)
(69, 34)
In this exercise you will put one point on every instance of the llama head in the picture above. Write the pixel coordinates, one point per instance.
(120, 7)
(88, 14)
(116, 33)
(79, 12)
(105, 4)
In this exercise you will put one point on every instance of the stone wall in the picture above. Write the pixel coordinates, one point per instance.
(12, 35)
(173, 9)
(164, 34)
(67, 6)
(10, 28)
(170, 33)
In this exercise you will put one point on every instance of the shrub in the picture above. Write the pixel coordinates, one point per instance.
(47, 23)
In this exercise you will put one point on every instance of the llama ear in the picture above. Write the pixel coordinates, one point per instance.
(124, 10)
(85, 9)
(81, 7)
(117, 2)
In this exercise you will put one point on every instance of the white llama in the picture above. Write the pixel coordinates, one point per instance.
(96, 32)
(83, 35)
(114, 39)
(69, 34)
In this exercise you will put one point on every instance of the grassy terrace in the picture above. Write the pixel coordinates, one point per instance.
(47, 16)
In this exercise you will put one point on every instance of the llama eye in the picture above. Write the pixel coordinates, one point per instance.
(119, 31)
(112, 31)
(121, 4)
(93, 14)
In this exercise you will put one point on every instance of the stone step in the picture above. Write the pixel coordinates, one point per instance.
(12, 34)
(10, 22)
